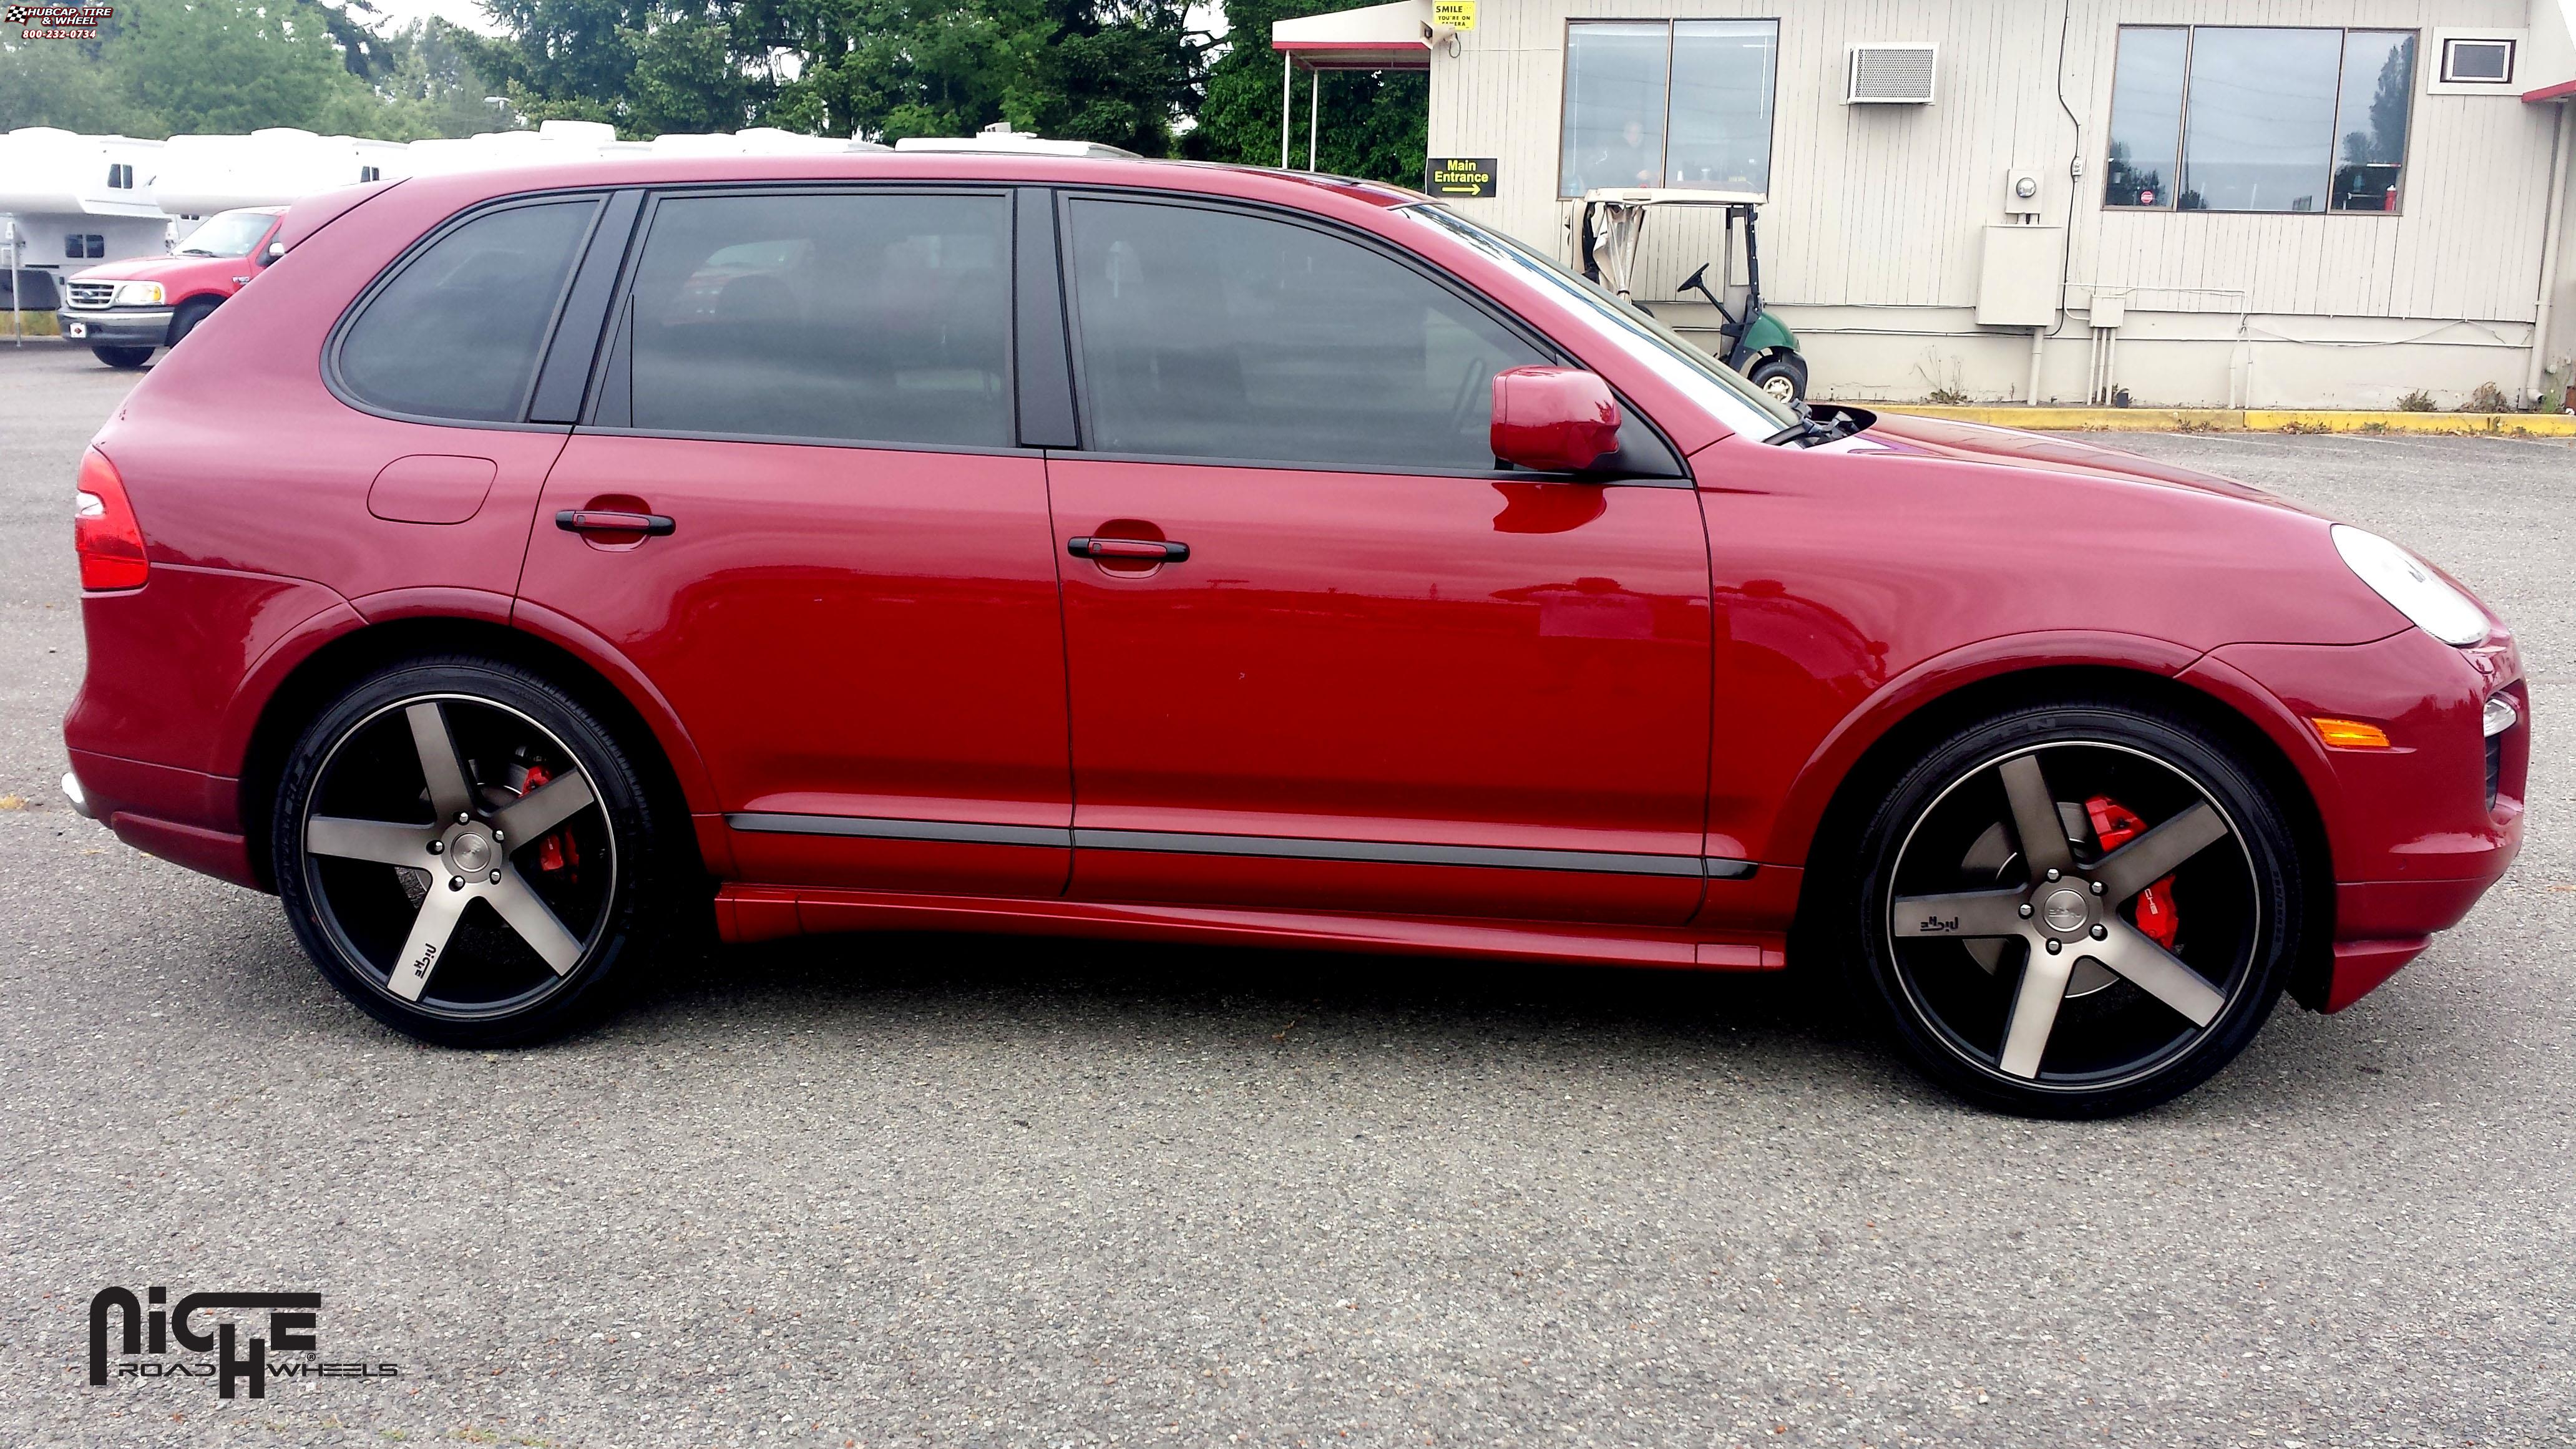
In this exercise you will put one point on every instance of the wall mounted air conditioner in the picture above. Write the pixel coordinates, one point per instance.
(1898, 75)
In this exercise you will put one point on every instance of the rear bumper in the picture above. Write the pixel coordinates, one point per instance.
(175, 814)
(2414, 837)
(138, 328)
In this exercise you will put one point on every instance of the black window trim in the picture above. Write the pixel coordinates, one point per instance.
(607, 357)
(338, 384)
(1041, 324)
(1421, 266)
(566, 368)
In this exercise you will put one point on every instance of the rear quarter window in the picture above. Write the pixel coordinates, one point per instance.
(455, 331)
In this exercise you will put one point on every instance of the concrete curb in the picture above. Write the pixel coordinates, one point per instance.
(2243, 420)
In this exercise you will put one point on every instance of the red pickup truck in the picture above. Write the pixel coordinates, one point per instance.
(125, 309)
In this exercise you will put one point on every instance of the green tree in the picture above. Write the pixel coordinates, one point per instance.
(229, 65)
(65, 83)
(432, 87)
(1369, 123)
(164, 67)
(1120, 71)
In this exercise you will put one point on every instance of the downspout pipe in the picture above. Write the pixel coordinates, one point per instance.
(2537, 368)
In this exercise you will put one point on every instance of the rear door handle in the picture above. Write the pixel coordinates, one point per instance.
(1152, 550)
(602, 520)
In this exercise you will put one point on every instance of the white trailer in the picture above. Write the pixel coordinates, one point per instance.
(68, 202)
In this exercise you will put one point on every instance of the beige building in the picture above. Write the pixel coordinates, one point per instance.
(2216, 202)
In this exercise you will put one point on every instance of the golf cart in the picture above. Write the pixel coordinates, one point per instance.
(1757, 344)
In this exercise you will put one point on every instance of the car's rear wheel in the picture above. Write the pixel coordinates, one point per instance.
(126, 357)
(2077, 910)
(468, 853)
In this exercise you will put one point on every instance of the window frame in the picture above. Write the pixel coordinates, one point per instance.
(1420, 266)
(547, 340)
(2182, 124)
(610, 361)
(2448, 43)
(1664, 155)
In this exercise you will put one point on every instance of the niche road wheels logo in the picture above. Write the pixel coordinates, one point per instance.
(243, 1330)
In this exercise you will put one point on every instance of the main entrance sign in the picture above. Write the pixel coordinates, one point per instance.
(1460, 175)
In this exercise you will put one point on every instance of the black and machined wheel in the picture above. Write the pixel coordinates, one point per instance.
(122, 357)
(1783, 375)
(2077, 910)
(188, 317)
(468, 853)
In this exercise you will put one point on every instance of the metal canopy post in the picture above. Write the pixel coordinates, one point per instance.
(17, 327)
(1287, 89)
(1314, 105)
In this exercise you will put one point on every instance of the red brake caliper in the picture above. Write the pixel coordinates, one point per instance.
(556, 851)
(2114, 824)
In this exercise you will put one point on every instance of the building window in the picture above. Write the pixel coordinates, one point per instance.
(2477, 62)
(2254, 118)
(1668, 103)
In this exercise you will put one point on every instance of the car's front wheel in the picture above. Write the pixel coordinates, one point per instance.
(2077, 910)
(122, 357)
(468, 853)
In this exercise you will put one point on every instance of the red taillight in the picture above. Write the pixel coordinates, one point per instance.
(104, 532)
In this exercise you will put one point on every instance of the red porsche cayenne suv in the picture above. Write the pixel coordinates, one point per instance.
(530, 566)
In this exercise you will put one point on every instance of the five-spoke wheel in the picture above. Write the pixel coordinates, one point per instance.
(2078, 910)
(456, 843)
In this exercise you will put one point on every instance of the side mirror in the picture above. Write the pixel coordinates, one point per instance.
(1553, 419)
(271, 252)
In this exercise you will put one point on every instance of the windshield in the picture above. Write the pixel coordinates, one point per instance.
(229, 234)
(1740, 405)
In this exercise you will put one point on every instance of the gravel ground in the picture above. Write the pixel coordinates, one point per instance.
(933, 1189)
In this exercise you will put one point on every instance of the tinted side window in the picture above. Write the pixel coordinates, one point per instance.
(1212, 334)
(456, 333)
(856, 318)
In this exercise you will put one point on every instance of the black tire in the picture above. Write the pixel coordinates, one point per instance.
(358, 778)
(188, 317)
(124, 357)
(2234, 908)
(1781, 370)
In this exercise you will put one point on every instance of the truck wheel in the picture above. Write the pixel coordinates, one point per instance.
(188, 318)
(1783, 375)
(128, 357)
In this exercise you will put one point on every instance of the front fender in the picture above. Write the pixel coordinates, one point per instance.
(1812, 791)
(1767, 334)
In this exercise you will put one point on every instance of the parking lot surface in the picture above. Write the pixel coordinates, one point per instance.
(932, 1189)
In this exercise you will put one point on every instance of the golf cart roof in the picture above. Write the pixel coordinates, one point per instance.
(999, 138)
(1671, 196)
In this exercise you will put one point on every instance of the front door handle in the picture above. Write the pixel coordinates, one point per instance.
(605, 520)
(1143, 550)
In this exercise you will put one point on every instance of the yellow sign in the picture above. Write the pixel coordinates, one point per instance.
(1454, 14)
(1459, 175)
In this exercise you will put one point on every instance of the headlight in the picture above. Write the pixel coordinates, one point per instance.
(139, 294)
(2411, 588)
